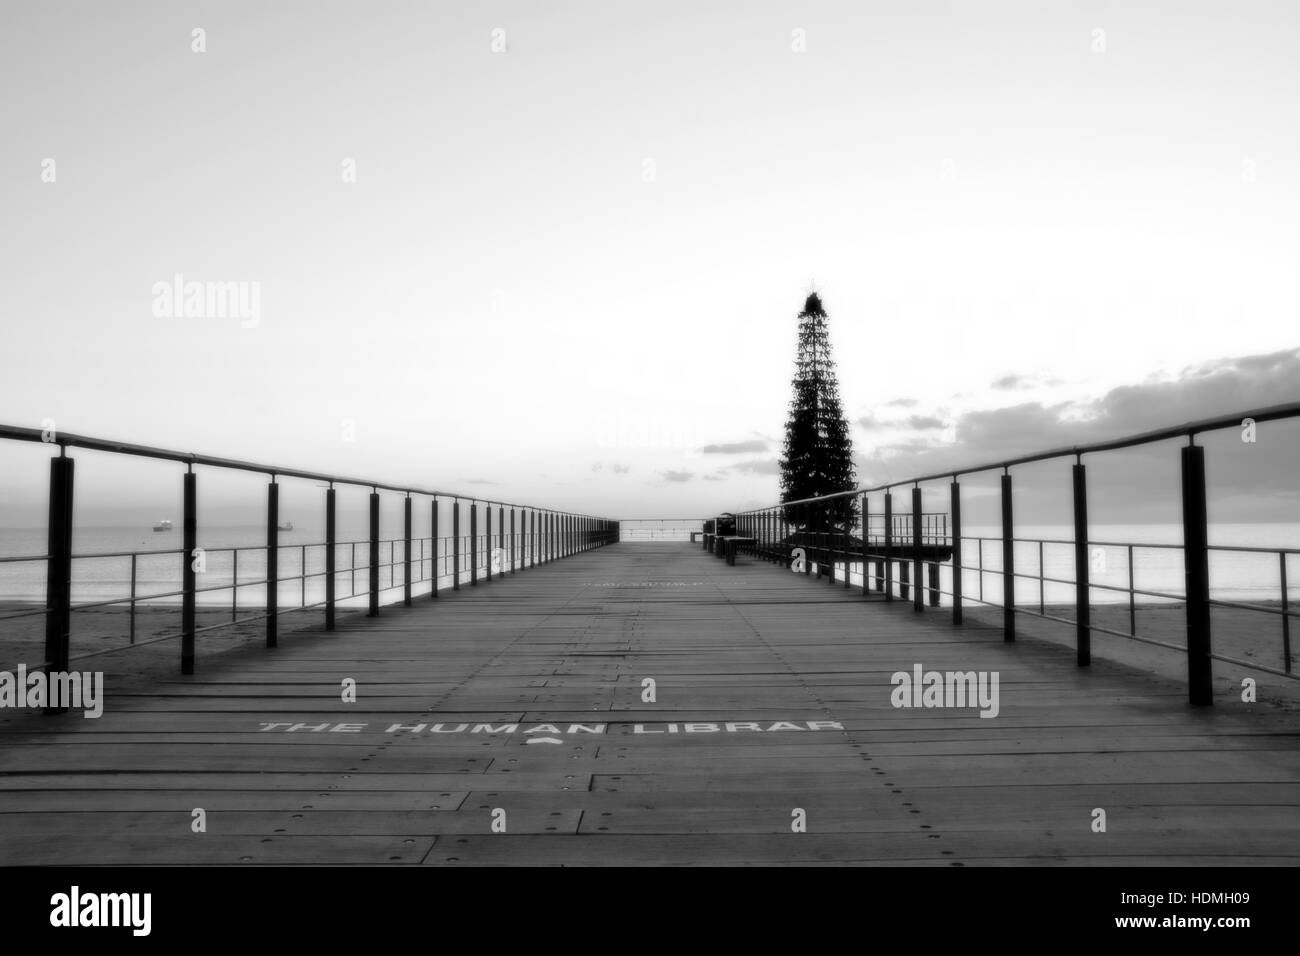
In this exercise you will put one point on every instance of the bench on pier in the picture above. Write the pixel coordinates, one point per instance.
(726, 545)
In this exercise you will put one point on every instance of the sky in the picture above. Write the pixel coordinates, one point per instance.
(555, 252)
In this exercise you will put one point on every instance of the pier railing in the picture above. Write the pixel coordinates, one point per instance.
(659, 529)
(778, 530)
(522, 536)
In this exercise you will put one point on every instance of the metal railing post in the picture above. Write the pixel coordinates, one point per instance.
(889, 545)
(487, 538)
(1286, 613)
(918, 598)
(406, 550)
(473, 543)
(514, 543)
(1008, 563)
(1082, 594)
(190, 534)
(133, 570)
(455, 544)
(1196, 560)
(373, 610)
(331, 559)
(955, 494)
(433, 531)
(58, 593)
(272, 562)
(866, 547)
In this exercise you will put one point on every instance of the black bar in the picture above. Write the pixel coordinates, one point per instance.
(455, 544)
(932, 569)
(374, 555)
(1008, 565)
(513, 543)
(272, 563)
(487, 538)
(918, 602)
(866, 547)
(190, 534)
(955, 490)
(1196, 559)
(473, 543)
(889, 545)
(433, 532)
(406, 556)
(58, 592)
(1082, 594)
(1286, 613)
(501, 537)
(331, 536)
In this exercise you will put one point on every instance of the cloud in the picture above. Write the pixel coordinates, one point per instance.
(902, 403)
(734, 448)
(1247, 481)
(1009, 382)
(758, 466)
(914, 422)
(713, 478)
(597, 466)
(480, 481)
(677, 475)
(621, 469)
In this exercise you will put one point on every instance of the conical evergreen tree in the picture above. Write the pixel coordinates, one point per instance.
(818, 457)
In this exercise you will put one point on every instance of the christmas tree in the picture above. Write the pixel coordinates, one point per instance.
(818, 457)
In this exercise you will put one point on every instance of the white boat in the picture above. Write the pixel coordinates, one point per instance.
(163, 525)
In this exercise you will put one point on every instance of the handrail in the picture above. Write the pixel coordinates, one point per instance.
(66, 439)
(1189, 430)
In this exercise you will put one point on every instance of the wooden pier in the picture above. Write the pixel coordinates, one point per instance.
(770, 711)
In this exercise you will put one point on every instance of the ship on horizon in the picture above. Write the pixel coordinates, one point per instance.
(163, 525)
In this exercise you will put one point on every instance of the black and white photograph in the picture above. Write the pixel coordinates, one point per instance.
(495, 435)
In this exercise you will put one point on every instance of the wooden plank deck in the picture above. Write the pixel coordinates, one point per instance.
(777, 687)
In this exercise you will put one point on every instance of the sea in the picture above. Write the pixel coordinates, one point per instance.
(102, 570)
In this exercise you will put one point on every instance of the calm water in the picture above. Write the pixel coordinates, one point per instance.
(106, 578)
(1233, 575)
